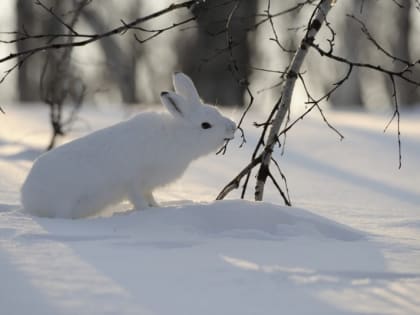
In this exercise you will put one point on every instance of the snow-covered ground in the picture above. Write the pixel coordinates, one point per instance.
(350, 244)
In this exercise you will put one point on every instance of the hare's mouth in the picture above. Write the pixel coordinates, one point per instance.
(228, 139)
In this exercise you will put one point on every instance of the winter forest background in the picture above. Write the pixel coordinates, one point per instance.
(242, 54)
(121, 69)
(349, 242)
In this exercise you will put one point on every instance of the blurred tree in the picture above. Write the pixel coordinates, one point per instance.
(120, 61)
(28, 75)
(59, 82)
(402, 48)
(207, 49)
(32, 19)
(349, 95)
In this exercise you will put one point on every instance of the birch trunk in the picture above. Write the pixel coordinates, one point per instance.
(287, 92)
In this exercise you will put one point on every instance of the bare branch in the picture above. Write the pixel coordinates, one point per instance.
(234, 184)
(283, 177)
(376, 44)
(58, 18)
(96, 37)
(279, 116)
(285, 199)
(396, 114)
(315, 103)
(157, 32)
(17, 65)
(273, 29)
(401, 74)
(316, 21)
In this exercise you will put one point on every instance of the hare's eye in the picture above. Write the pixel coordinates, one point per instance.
(205, 125)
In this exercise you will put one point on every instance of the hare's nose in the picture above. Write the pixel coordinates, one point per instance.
(231, 127)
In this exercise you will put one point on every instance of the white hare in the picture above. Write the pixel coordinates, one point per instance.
(128, 160)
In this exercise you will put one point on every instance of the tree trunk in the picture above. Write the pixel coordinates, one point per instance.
(28, 74)
(350, 93)
(286, 96)
(214, 72)
(408, 95)
(122, 64)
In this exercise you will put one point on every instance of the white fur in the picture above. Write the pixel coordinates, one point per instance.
(125, 161)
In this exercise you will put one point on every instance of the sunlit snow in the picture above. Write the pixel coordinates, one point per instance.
(349, 245)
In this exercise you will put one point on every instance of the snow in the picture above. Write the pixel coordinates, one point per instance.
(349, 245)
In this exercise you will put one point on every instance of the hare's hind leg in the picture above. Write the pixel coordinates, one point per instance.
(136, 197)
(151, 199)
(142, 200)
(139, 202)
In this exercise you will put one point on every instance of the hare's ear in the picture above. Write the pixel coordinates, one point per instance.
(184, 86)
(175, 104)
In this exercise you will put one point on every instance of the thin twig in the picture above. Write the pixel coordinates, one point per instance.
(96, 37)
(396, 114)
(285, 199)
